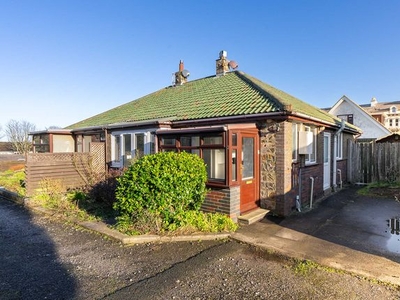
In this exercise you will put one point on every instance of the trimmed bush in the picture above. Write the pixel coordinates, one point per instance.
(163, 184)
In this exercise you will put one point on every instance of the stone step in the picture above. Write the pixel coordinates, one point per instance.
(252, 216)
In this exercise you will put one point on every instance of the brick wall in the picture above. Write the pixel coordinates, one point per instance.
(223, 200)
(284, 185)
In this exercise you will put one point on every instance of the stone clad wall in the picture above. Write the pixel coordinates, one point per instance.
(268, 169)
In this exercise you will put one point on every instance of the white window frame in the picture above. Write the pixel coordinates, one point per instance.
(339, 146)
(295, 141)
(312, 158)
(148, 139)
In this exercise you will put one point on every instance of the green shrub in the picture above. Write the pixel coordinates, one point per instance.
(52, 194)
(13, 181)
(205, 222)
(164, 184)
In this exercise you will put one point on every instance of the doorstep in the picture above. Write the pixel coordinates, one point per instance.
(252, 216)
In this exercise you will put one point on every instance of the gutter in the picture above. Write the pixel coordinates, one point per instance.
(121, 125)
(229, 118)
(321, 121)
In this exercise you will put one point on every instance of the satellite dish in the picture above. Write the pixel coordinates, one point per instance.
(233, 64)
(185, 73)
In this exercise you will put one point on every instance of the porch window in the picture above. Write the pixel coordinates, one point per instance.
(312, 158)
(210, 147)
(215, 161)
(339, 146)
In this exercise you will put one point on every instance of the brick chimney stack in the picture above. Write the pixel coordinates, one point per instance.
(182, 75)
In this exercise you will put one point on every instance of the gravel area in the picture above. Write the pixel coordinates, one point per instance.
(44, 258)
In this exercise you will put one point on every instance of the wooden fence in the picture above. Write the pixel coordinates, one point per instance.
(373, 162)
(70, 169)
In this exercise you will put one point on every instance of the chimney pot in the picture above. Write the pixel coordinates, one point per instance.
(180, 65)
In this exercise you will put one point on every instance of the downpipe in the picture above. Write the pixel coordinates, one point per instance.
(298, 202)
(312, 191)
(340, 178)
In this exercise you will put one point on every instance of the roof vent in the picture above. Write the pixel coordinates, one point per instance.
(223, 65)
(182, 75)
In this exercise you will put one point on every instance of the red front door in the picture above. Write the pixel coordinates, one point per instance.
(248, 175)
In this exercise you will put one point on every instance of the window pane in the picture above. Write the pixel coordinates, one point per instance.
(190, 141)
(139, 151)
(312, 157)
(42, 148)
(212, 140)
(45, 139)
(215, 161)
(234, 164)
(127, 155)
(152, 144)
(326, 149)
(196, 151)
(169, 150)
(234, 139)
(168, 141)
(248, 157)
(127, 146)
(117, 148)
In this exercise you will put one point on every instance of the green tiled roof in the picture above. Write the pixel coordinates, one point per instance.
(233, 94)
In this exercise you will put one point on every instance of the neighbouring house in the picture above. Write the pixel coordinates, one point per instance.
(387, 113)
(263, 147)
(6, 148)
(351, 112)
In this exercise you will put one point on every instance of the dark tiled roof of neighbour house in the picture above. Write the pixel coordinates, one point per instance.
(233, 94)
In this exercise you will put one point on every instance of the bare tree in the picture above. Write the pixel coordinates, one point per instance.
(17, 133)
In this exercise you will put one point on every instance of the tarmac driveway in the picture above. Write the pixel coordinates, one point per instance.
(346, 231)
(355, 221)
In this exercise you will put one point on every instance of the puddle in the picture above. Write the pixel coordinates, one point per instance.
(393, 244)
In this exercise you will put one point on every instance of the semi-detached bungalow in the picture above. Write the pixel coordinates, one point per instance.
(263, 147)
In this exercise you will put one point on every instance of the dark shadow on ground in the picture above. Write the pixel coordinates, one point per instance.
(352, 220)
(29, 266)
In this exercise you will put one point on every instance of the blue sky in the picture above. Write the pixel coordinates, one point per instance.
(65, 61)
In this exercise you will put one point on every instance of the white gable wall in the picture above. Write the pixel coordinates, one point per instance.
(370, 127)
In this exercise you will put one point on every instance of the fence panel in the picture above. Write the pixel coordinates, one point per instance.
(72, 169)
(372, 162)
